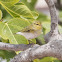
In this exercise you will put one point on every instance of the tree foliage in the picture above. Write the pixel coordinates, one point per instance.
(16, 15)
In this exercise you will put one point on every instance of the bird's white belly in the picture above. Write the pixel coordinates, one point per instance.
(28, 35)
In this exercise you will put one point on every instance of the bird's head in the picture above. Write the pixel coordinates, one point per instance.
(37, 25)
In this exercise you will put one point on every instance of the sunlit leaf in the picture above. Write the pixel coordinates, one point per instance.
(7, 31)
(49, 59)
(43, 18)
(30, 3)
(36, 60)
(6, 55)
(47, 25)
(18, 9)
(12, 2)
(35, 14)
(0, 14)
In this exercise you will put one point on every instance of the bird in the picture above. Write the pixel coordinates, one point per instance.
(32, 31)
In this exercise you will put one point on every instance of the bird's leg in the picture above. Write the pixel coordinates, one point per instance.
(30, 41)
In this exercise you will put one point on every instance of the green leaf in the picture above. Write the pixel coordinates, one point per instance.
(33, 41)
(0, 14)
(35, 14)
(60, 29)
(60, 14)
(42, 17)
(6, 55)
(47, 25)
(36, 60)
(41, 38)
(18, 22)
(12, 2)
(49, 59)
(4, 40)
(7, 30)
(30, 3)
(23, 23)
(19, 10)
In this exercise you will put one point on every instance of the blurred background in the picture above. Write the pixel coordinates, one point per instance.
(41, 7)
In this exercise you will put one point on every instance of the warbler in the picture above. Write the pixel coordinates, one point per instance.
(31, 31)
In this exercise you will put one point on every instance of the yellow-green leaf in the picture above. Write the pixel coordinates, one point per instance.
(0, 14)
(7, 31)
(46, 25)
(18, 9)
(12, 2)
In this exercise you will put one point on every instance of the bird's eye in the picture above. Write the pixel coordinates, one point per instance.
(37, 24)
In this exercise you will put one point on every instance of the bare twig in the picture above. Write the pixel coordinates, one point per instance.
(14, 47)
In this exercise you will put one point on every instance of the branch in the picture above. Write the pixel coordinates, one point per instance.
(53, 48)
(54, 22)
(14, 47)
(54, 16)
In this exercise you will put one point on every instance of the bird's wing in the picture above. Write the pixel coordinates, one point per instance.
(28, 29)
